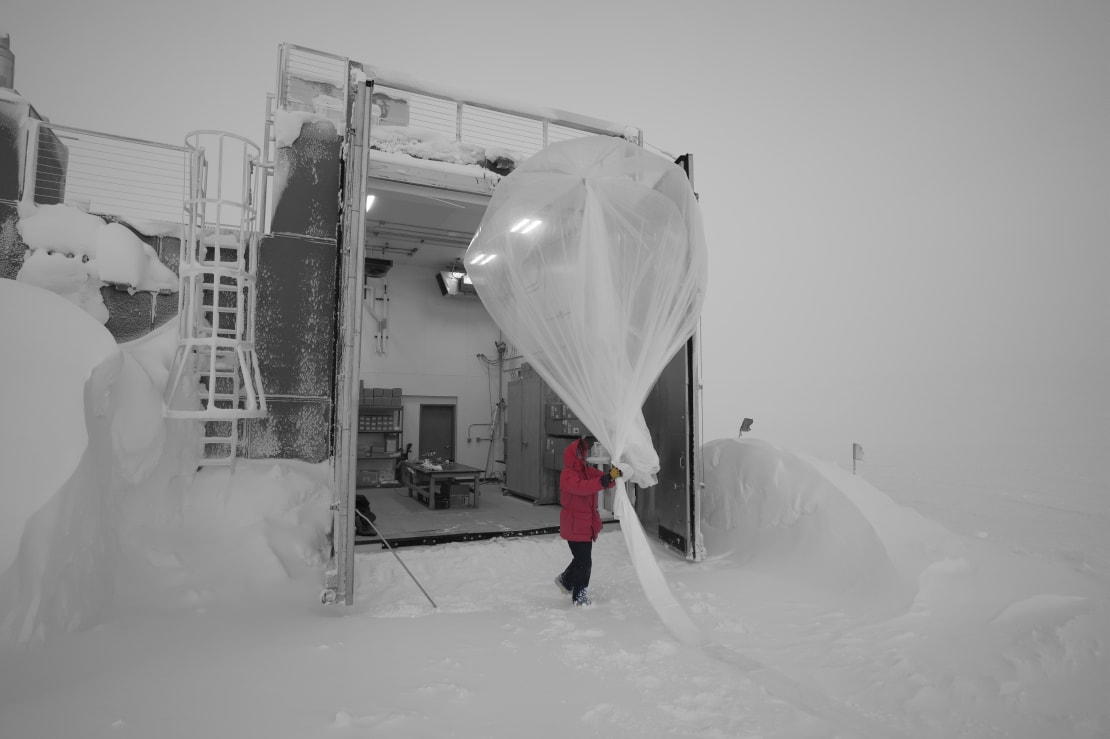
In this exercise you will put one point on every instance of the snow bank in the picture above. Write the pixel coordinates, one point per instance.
(102, 500)
(810, 521)
(44, 379)
(55, 550)
(73, 253)
(230, 533)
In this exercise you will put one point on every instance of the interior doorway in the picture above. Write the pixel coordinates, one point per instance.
(437, 431)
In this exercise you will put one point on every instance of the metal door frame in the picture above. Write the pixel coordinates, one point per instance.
(690, 542)
(695, 470)
(352, 238)
(679, 485)
(695, 466)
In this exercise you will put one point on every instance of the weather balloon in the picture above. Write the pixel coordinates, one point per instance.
(592, 260)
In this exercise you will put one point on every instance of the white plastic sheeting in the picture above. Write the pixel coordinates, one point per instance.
(591, 257)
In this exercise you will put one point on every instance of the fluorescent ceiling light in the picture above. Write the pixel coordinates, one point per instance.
(531, 226)
(488, 258)
(369, 202)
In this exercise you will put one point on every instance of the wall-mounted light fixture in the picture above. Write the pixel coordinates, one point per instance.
(455, 282)
(369, 202)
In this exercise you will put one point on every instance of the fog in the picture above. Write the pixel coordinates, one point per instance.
(904, 204)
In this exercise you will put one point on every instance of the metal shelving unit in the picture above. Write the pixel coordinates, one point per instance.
(379, 444)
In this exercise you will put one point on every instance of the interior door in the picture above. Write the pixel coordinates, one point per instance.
(437, 431)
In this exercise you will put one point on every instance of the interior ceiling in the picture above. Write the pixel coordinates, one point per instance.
(420, 226)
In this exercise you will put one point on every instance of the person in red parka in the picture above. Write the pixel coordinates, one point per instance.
(579, 521)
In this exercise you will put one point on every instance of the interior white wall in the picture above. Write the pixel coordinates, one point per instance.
(432, 354)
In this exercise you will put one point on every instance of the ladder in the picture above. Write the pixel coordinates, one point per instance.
(215, 377)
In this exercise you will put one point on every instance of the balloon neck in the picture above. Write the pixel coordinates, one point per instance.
(620, 499)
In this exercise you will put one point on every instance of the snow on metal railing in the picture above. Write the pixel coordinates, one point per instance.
(316, 81)
(106, 174)
(523, 131)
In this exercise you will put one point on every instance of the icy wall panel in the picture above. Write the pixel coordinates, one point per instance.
(294, 429)
(310, 169)
(295, 316)
(132, 316)
(10, 114)
(168, 249)
(12, 248)
(169, 253)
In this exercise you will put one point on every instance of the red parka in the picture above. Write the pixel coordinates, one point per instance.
(579, 484)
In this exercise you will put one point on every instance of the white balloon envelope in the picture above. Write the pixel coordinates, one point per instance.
(592, 259)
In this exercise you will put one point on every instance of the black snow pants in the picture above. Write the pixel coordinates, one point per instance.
(577, 574)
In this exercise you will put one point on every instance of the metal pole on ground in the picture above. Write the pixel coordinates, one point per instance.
(394, 552)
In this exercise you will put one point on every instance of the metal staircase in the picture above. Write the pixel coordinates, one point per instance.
(215, 377)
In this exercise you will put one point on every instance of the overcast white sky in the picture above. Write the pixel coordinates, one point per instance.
(906, 203)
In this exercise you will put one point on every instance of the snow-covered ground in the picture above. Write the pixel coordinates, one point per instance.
(140, 597)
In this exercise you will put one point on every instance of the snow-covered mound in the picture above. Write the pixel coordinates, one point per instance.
(101, 500)
(73, 254)
(234, 532)
(57, 375)
(809, 521)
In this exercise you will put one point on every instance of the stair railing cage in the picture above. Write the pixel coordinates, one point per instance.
(215, 375)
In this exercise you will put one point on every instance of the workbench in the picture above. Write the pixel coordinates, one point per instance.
(432, 486)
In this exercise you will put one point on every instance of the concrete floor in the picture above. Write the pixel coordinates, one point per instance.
(404, 521)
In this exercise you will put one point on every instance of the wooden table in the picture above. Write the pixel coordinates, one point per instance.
(423, 481)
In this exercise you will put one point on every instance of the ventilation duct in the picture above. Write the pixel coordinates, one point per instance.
(377, 267)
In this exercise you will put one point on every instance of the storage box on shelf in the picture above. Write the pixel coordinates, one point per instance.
(380, 430)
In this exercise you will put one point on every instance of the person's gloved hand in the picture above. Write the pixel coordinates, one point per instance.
(610, 477)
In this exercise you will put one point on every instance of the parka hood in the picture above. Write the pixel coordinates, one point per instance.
(570, 454)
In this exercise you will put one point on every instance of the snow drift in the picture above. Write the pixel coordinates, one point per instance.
(810, 521)
(73, 254)
(55, 553)
(831, 609)
(101, 497)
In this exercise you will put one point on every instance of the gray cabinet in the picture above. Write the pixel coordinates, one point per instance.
(524, 438)
(538, 428)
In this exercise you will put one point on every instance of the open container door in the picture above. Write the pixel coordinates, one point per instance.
(672, 411)
(673, 414)
(341, 572)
